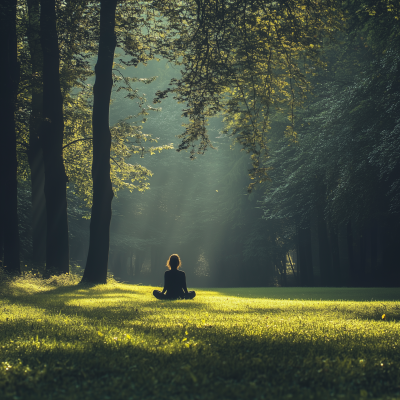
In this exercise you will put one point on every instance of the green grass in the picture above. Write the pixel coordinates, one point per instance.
(115, 341)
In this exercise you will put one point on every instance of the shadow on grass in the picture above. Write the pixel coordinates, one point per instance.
(212, 365)
(313, 293)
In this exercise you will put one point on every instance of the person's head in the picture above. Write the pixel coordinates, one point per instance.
(174, 262)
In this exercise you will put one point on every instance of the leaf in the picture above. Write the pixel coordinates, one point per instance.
(100, 334)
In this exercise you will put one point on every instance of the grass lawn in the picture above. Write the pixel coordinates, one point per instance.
(115, 341)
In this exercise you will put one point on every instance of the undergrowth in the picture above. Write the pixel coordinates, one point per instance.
(60, 340)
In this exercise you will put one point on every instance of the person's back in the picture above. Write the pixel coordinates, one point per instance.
(174, 282)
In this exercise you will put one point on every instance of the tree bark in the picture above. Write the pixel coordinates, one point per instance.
(52, 131)
(9, 79)
(97, 261)
(35, 154)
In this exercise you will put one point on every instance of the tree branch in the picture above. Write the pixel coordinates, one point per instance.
(77, 140)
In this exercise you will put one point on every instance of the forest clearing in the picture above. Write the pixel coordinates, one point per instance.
(60, 340)
(256, 144)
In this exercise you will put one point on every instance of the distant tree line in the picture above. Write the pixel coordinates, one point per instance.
(336, 185)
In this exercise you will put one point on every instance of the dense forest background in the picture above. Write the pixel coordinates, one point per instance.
(298, 177)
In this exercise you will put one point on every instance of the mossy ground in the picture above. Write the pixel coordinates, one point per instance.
(115, 341)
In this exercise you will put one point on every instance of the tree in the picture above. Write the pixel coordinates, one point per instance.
(9, 78)
(35, 154)
(97, 261)
(51, 138)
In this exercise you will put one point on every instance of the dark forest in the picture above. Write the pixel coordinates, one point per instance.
(258, 140)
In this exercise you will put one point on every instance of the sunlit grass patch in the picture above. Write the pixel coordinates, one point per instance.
(117, 341)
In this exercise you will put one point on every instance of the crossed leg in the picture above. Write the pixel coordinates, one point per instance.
(160, 296)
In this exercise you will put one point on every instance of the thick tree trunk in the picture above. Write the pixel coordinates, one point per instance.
(52, 131)
(35, 154)
(97, 261)
(9, 79)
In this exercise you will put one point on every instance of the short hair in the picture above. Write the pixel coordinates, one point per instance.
(174, 262)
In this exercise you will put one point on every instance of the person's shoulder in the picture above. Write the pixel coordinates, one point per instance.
(181, 272)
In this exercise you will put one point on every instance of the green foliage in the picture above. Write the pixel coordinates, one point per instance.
(345, 159)
(77, 24)
(116, 340)
(245, 60)
(127, 138)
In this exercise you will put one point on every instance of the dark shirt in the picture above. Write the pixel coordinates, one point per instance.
(175, 283)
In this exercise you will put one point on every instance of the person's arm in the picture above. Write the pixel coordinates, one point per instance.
(184, 287)
(165, 283)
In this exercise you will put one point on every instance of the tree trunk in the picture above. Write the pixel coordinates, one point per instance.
(35, 154)
(379, 274)
(283, 275)
(334, 251)
(9, 79)
(356, 264)
(97, 261)
(52, 131)
(343, 255)
(305, 256)
(316, 262)
(325, 258)
(368, 233)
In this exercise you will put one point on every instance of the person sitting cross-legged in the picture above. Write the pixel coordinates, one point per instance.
(174, 282)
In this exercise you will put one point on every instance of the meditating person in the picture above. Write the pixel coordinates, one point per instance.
(174, 282)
